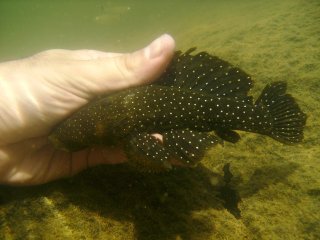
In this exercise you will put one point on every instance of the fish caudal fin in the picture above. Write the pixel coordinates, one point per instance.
(288, 120)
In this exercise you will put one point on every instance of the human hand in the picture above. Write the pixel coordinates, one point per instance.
(40, 91)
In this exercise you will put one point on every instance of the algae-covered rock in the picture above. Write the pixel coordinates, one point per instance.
(278, 186)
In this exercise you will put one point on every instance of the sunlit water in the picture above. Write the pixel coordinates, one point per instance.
(279, 186)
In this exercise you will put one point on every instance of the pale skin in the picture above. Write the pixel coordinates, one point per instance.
(40, 91)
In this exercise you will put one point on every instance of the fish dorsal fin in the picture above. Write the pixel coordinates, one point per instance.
(206, 73)
(188, 146)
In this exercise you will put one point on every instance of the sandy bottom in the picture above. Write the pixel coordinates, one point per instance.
(279, 186)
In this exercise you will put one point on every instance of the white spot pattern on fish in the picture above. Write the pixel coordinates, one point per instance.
(196, 95)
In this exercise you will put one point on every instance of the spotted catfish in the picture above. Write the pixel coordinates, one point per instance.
(198, 102)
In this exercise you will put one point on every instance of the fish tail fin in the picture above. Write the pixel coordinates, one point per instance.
(288, 120)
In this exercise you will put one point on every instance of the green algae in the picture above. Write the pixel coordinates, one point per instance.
(279, 185)
(116, 202)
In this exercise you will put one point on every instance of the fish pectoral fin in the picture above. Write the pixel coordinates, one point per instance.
(179, 147)
(188, 146)
(228, 135)
(147, 153)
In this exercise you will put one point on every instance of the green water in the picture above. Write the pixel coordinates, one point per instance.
(279, 186)
(31, 26)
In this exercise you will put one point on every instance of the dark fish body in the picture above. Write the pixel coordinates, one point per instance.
(196, 95)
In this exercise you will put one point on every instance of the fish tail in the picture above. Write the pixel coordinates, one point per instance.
(288, 120)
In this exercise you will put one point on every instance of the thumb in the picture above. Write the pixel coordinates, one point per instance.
(118, 71)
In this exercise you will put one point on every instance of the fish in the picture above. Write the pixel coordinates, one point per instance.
(198, 102)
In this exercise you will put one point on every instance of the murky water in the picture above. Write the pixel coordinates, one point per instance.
(279, 186)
